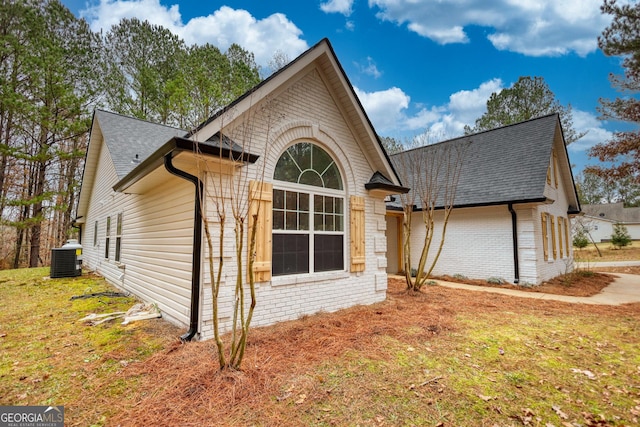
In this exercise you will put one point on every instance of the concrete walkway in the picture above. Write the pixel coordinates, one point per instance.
(625, 289)
(595, 265)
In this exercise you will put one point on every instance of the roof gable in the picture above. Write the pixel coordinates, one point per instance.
(503, 165)
(131, 140)
(323, 58)
(128, 141)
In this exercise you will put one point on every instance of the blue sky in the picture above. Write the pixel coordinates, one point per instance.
(417, 65)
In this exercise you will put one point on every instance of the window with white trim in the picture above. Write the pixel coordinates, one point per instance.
(308, 212)
(107, 241)
(118, 237)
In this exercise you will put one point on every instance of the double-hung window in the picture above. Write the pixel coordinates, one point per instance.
(308, 212)
(107, 240)
(118, 237)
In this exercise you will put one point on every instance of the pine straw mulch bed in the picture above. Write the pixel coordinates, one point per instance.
(183, 386)
(579, 283)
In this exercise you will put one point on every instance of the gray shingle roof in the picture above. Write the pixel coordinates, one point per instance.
(127, 137)
(503, 165)
(615, 212)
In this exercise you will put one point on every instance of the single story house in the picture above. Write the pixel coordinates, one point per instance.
(598, 220)
(299, 146)
(514, 198)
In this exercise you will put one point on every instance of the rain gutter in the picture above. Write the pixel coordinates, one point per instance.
(514, 228)
(196, 258)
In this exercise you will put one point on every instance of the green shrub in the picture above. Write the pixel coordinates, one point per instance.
(460, 276)
(496, 280)
(620, 236)
(584, 273)
(580, 240)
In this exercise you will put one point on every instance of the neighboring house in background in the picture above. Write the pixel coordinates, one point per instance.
(514, 199)
(598, 220)
(301, 136)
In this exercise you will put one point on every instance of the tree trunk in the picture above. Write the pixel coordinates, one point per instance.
(36, 229)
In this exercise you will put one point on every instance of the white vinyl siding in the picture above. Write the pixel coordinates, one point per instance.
(155, 257)
(159, 245)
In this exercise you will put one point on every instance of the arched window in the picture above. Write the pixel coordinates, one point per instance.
(308, 212)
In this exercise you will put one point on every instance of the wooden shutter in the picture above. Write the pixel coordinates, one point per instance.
(549, 175)
(560, 246)
(260, 203)
(357, 230)
(555, 168)
(566, 235)
(553, 237)
(545, 237)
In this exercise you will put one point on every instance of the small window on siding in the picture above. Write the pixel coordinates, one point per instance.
(108, 238)
(118, 236)
(95, 234)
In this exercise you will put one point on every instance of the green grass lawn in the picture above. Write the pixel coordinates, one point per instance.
(607, 253)
(48, 357)
(527, 371)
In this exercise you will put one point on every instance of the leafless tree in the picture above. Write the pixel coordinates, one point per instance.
(236, 194)
(432, 171)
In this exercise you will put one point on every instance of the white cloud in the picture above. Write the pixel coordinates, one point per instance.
(370, 68)
(390, 115)
(584, 121)
(337, 6)
(385, 108)
(453, 34)
(468, 105)
(464, 107)
(530, 27)
(221, 28)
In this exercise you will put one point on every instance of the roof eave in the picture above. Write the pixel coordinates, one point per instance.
(497, 203)
(573, 211)
(179, 144)
(386, 189)
(90, 167)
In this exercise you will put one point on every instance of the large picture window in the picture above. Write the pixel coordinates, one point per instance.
(308, 212)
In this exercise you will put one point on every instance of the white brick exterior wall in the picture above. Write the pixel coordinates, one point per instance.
(304, 112)
(479, 241)
(156, 251)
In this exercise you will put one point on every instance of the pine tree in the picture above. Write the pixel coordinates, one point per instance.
(621, 38)
(620, 236)
(528, 98)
